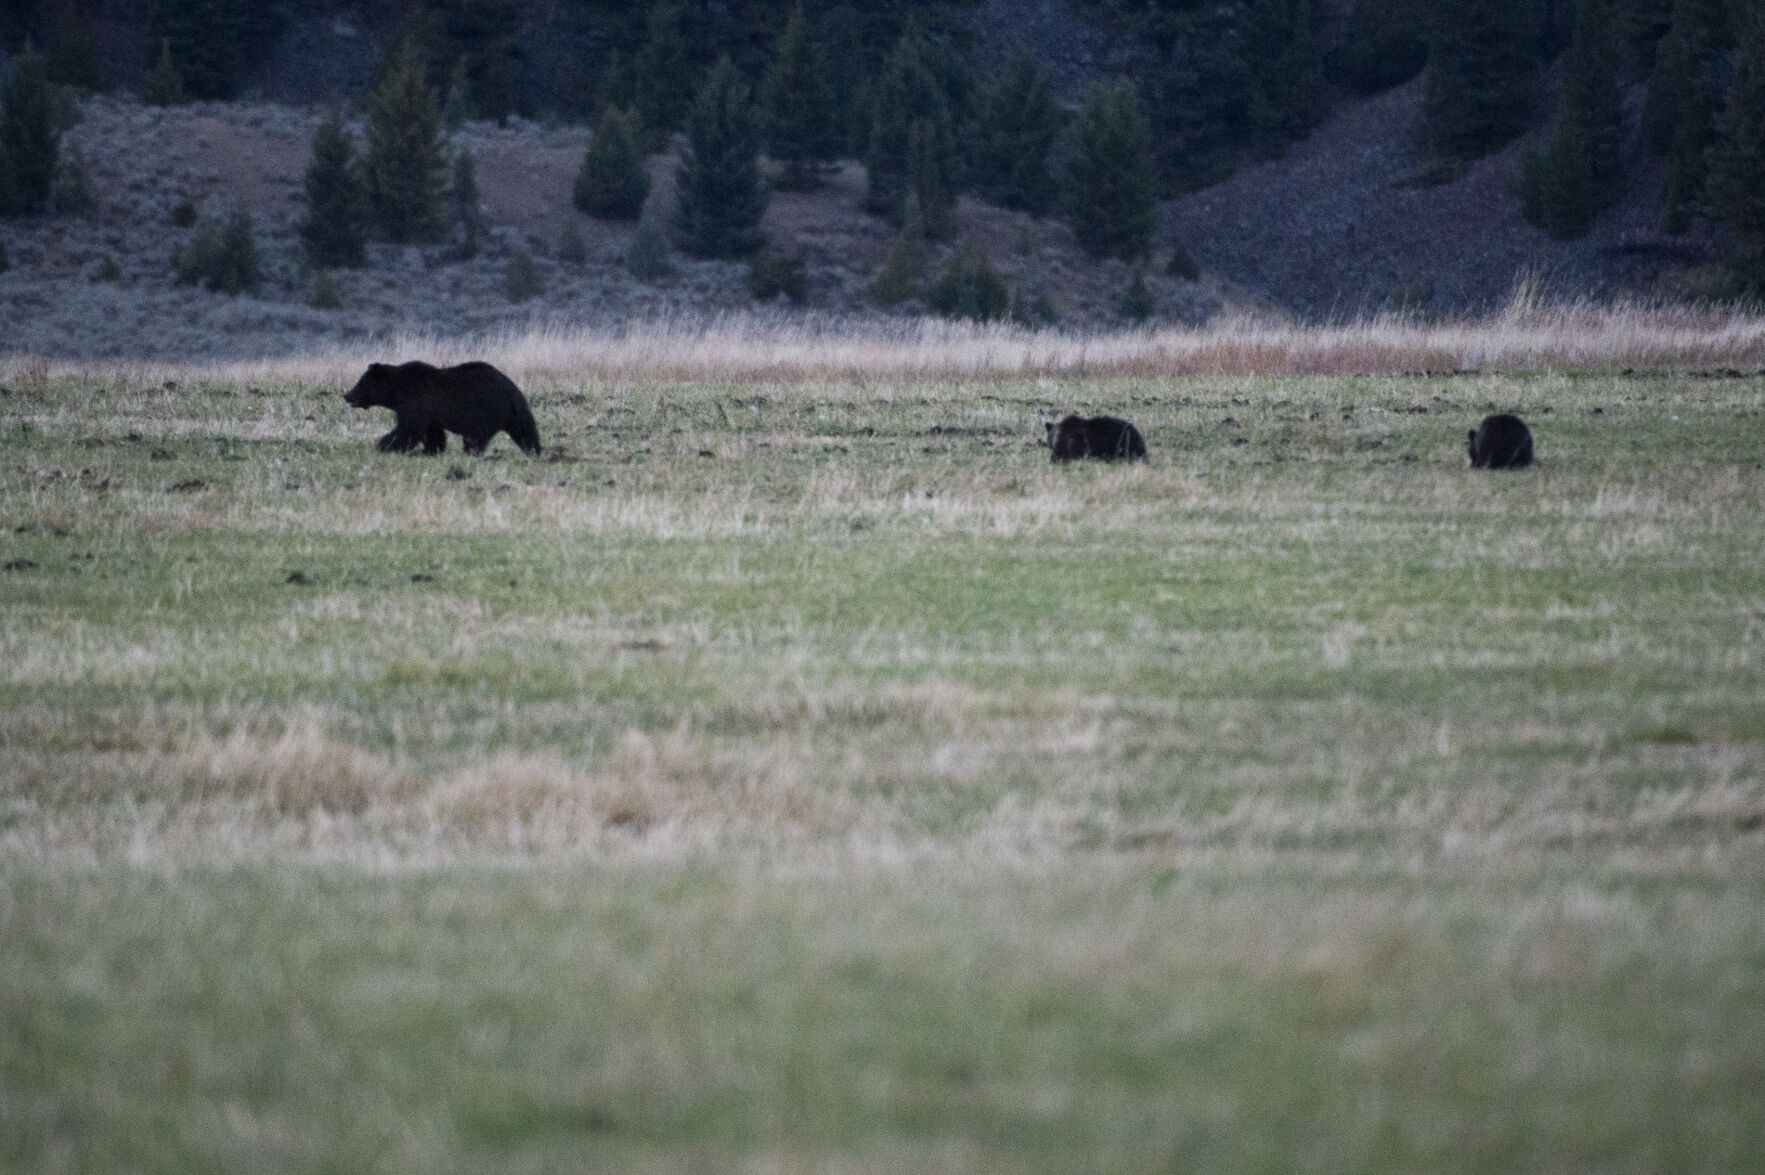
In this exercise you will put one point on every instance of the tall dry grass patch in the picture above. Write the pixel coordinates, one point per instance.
(1529, 334)
(295, 772)
(656, 796)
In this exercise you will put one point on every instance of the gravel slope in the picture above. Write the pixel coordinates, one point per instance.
(1332, 229)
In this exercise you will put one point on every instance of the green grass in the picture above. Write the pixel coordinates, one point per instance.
(796, 777)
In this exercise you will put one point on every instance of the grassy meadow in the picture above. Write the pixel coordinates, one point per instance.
(803, 775)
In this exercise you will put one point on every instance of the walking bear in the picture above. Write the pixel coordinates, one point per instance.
(1104, 437)
(1502, 442)
(474, 400)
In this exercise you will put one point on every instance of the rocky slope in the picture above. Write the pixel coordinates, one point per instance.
(1337, 228)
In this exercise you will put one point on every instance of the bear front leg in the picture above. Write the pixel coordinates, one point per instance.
(434, 440)
(396, 441)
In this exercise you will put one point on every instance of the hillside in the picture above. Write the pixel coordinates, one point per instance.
(1330, 230)
(145, 160)
(1335, 229)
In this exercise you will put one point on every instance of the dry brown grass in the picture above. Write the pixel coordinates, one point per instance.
(1528, 335)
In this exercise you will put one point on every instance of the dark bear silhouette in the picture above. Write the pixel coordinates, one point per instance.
(1502, 442)
(1104, 437)
(474, 399)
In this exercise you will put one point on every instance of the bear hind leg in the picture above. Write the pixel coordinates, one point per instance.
(399, 440)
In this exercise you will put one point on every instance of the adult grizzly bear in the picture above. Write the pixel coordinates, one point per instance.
(1502, 442)
(1105, 437)
(474, 399)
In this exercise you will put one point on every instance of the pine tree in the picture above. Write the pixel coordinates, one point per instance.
(1384, 44)
(203, 37)
(840, 35)
(462, 204)
(71, 57)
(616, 86)
(926, 181)
(473, 41)
(1199, 91)
(30, 139)
(456, 108)
(403, 164)
(1684, 99)
(797, 106)
(1018, 122)
(335, 226)
(1286, 63)
(1736, 191)
(906, 92)
(721, 195)
(1482, 76)
(162, 86)
(903, 271)
(522, 278)
(1108, 186)
(663, 77)
(612, 183)
(1576, 174)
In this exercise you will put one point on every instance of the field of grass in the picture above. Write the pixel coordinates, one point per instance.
(807, 776)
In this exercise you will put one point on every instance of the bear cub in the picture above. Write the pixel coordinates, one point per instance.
(1105, 437)
(474, 400)
(1502, 442)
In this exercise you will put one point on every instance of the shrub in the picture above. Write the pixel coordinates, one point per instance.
(73, 193)
(969, 288)
(108, 271)
(771, 274)
(221, 255)
(1182, 264)
(1137, 303)
(183, 214)
(324, 294)
(647, 257)
(571, 248)
(522, 279)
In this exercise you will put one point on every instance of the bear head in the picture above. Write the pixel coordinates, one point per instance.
(373, 390)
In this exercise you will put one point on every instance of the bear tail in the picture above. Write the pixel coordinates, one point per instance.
(522, 430)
